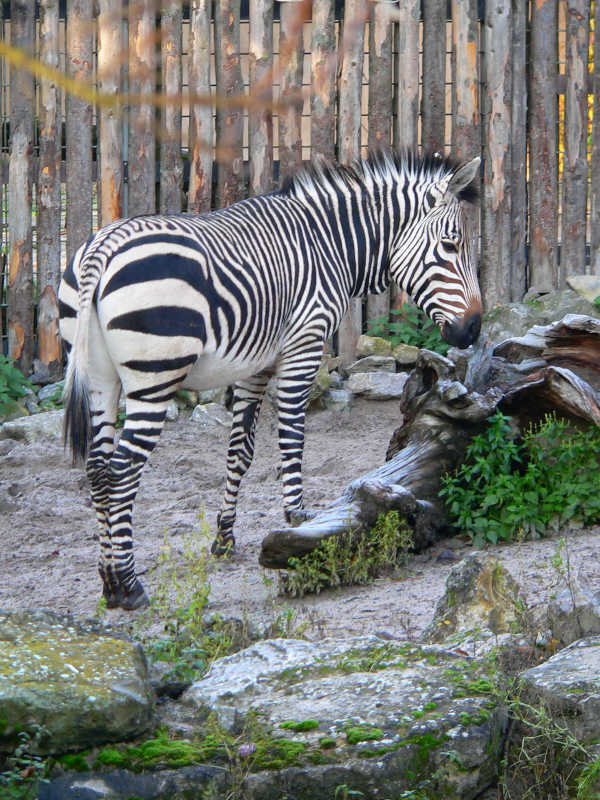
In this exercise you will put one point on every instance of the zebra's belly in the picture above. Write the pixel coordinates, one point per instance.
(211, 371)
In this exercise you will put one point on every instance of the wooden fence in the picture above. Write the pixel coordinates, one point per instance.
(111, 109)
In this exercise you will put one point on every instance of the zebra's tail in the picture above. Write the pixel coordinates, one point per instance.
(76, 393)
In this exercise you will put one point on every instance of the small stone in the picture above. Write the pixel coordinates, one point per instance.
(35, 428)
(373, 346)
(172, 411)
(51, 390)
(373, 364)
(213, 396)
(321, 383)
(588, 286)
(405, 354)
(337, 399)
(211, 414)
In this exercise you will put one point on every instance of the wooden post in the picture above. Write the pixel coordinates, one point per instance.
(291, 57)
(79, 126)
(433, 102)
(171, 166)
(230, 183)
(323, 66)
(48, 194)
(595, 182)
(543, 161)
(201, 116)
(141, 156)
(110, 133)
(466, 127)
(496, 218)
(407, 75)
(575, 174)
(260, 120)
(19, 291)
(381, 34)
(518, 277)
(349, 140)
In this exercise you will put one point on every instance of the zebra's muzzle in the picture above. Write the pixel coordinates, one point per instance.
(462, 332)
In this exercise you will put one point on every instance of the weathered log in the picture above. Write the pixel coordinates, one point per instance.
(444, 404)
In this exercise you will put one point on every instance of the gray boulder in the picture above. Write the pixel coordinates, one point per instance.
(378, 385)
(211, 414)
(33, 429)
(373, 346)
(574, 613)
(373, 364)
(393, 715)
(69, 684)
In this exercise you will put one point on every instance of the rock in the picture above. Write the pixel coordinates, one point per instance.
(587, 286)
(33, 429)
(321, 384)
(212, 414)
(574, 614)
(218, 395)
(119, 784)
(556, 714)
(515, 319)
(50, 390)
(81, 685)
(377, 385)
(373, 364)
(188, 397)
(172, 411)
(392, 712)
(405, 355)
(480, 594)
(373, 346)
(337, 399)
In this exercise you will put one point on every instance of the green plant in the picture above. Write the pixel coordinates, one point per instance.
(350, 558)
(13, 385)
(23, 769)
(409, 325)
(508, 488)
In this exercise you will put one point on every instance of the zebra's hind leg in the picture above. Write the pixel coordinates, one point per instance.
(296, 375)
(143, 425)
(247, 400)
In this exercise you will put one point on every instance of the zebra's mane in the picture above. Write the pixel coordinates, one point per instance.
(378, 165)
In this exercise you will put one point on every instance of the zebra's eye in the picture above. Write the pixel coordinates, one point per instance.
(451, 245)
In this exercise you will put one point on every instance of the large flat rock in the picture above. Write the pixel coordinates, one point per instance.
(395, 713)
(69, 684)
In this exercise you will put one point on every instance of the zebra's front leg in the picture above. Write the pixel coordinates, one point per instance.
(248, 396)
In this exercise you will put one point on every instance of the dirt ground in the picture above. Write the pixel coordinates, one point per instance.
(48, 551)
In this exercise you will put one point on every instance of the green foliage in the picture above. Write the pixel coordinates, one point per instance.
(507, 488)
(597, 301)
(178, 604)
(409, 325)
(13, 385)
(350, 558)
(362, 733)
(302, 725)
(22, 770)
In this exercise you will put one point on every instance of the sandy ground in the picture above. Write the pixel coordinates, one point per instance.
(48, 551)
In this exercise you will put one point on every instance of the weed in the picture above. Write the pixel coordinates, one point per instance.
(23, 770)
(350, 558)
(13, 385)
(362, 733)
(299, 727)
(409, 325)
(506, 489)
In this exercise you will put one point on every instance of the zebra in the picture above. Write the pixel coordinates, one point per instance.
(152, 304)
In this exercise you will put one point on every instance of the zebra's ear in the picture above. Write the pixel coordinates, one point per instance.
(460, 183)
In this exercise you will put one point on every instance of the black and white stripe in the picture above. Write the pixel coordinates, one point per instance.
(155, 303)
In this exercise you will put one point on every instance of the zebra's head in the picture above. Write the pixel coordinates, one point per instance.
(431, 255)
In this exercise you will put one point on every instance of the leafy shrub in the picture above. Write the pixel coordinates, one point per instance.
(409, 325)
(350, 558)
(507, 487)
(13, 385)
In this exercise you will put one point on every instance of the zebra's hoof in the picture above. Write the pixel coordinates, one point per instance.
(129, 601)
(223, 545)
